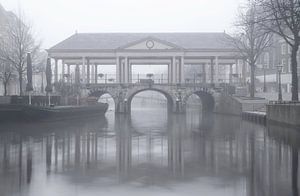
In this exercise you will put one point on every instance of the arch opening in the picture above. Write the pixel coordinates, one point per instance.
(149, 98)
(104, 97)
(205, 100)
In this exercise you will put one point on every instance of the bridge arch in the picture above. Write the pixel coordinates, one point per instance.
(100, 93)
(170, 98)
(207, 100)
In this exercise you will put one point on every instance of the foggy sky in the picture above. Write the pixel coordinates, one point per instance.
(55, 20)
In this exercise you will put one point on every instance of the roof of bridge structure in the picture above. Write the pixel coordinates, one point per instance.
(114, 41)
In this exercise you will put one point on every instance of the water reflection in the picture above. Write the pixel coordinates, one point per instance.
(166, 155)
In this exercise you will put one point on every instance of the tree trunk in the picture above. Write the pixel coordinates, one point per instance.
(21, 83)
(5, 88)
(252, 80)
(294, 73)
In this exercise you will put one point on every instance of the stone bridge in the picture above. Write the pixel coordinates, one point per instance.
(84, 54)
(176, 95)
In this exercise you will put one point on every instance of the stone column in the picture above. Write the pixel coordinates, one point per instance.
(129, 72)
(96, 73)
(204, 72)
(88, 74)
(212, 71)
(56, 71)
(217, 69)
(170, 73)
(230, 73)
(69, 73)
(244, 72)
(237, 66)
(83, 70)
(92, 74)
(181, 70)
(77, 74)
(118, 70)
(174, 70)
(126, 70)
(122, 74)
(62, 70)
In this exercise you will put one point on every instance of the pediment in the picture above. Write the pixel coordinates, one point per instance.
(150, 43)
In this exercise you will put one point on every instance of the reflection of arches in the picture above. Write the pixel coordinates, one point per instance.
(170, 99)
(207, 100)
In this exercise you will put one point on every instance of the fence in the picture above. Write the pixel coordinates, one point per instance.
(35, 100)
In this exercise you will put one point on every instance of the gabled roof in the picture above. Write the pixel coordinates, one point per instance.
(113, 41)
(169, 44)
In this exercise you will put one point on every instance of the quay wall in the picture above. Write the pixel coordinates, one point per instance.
(228, 105)
(237, 105)
(288, 114)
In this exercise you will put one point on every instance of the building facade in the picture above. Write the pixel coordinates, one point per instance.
(278, 54)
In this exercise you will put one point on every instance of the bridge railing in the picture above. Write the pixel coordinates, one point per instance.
(153, 85)
(135, 78)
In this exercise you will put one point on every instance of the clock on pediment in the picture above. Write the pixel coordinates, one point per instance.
(150, 44)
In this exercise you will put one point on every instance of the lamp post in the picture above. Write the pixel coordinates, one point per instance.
(199, 76)
(265, 85)
(125, 105)
(67, 76)
(279, 69)
(101, 75)
(149, 75)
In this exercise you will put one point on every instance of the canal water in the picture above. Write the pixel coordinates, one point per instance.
(148, 153)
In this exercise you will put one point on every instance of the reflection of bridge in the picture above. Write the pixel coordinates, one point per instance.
(219, 62)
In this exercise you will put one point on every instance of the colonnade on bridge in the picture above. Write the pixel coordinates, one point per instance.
(84, 54)
(214, 70)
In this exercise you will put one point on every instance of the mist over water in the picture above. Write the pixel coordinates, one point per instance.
(149, 152)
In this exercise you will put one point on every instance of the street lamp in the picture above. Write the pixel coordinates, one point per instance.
(265, 85)
(199, 76)
(125, 105)
(101, 75)
(279, 69)
(66, 76)
(149, 75)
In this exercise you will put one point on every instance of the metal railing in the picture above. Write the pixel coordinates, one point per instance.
(136, 79)
(284, 102)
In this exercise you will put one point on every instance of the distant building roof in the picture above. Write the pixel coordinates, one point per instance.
(112, 41)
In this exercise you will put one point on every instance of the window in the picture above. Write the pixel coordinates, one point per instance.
(289, 65)
(283, 48)
(283, 63)
(266, 60)
(289, 49)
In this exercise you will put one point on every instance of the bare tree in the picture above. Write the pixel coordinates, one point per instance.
(6, 74)
(282, 17)
(250, 40)
(17, 42)
(39, 66)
